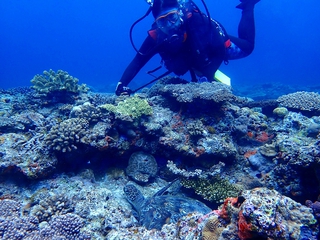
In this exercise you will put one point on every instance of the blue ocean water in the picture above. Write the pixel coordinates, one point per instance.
(90, 40)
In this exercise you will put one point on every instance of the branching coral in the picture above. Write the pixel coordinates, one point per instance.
(67, 135)
(214, 189)
(52, 81)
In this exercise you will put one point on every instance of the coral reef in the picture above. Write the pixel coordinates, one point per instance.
(217, 142)
(86, 111)
(212, 228)
(141, 167)
(315, 206)
(52, 81)
(66, 226)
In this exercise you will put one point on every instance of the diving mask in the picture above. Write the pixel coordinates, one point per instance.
(169, 21)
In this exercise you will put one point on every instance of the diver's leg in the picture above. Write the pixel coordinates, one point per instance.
(246, 28)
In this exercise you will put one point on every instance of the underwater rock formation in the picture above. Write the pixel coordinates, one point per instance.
(26, 155)
(267, 214)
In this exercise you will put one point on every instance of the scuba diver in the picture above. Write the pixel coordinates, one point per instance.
(189, 40)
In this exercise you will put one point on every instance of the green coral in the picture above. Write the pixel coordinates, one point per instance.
(280, 112)
(215, 189)
(52, 81)
(133, 107)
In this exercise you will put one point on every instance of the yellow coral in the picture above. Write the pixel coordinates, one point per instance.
(212, 229)
(133, 107)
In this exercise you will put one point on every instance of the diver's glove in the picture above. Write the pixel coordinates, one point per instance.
(122, 90)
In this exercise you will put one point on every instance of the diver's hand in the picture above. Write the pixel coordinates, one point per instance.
(122, 90)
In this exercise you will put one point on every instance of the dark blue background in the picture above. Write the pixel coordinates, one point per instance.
(90, 40)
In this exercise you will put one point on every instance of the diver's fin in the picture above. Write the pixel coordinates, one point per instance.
(221, 77)
(247, 3)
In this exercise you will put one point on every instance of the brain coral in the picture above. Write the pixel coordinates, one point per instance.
(303, 101)
(141, 167)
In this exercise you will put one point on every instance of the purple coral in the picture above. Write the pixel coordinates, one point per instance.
(315, 207)
(66, 226)
(12, 225)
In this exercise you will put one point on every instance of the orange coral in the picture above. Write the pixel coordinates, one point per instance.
(107, 139)
(223, 212)
(244, 228)
(264, 137)
(250, 134)
(250, 153)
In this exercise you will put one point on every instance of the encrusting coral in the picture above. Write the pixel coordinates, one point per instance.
(52, 81)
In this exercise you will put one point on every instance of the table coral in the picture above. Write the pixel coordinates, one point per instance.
(301, 101)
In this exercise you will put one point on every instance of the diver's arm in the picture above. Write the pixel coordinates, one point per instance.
(148, 51)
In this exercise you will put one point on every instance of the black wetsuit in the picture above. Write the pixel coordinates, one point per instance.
(204, 47)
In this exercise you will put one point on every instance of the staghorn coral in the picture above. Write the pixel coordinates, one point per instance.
(130, 108)
(301, 101)
(67, 135)
(52, 81)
